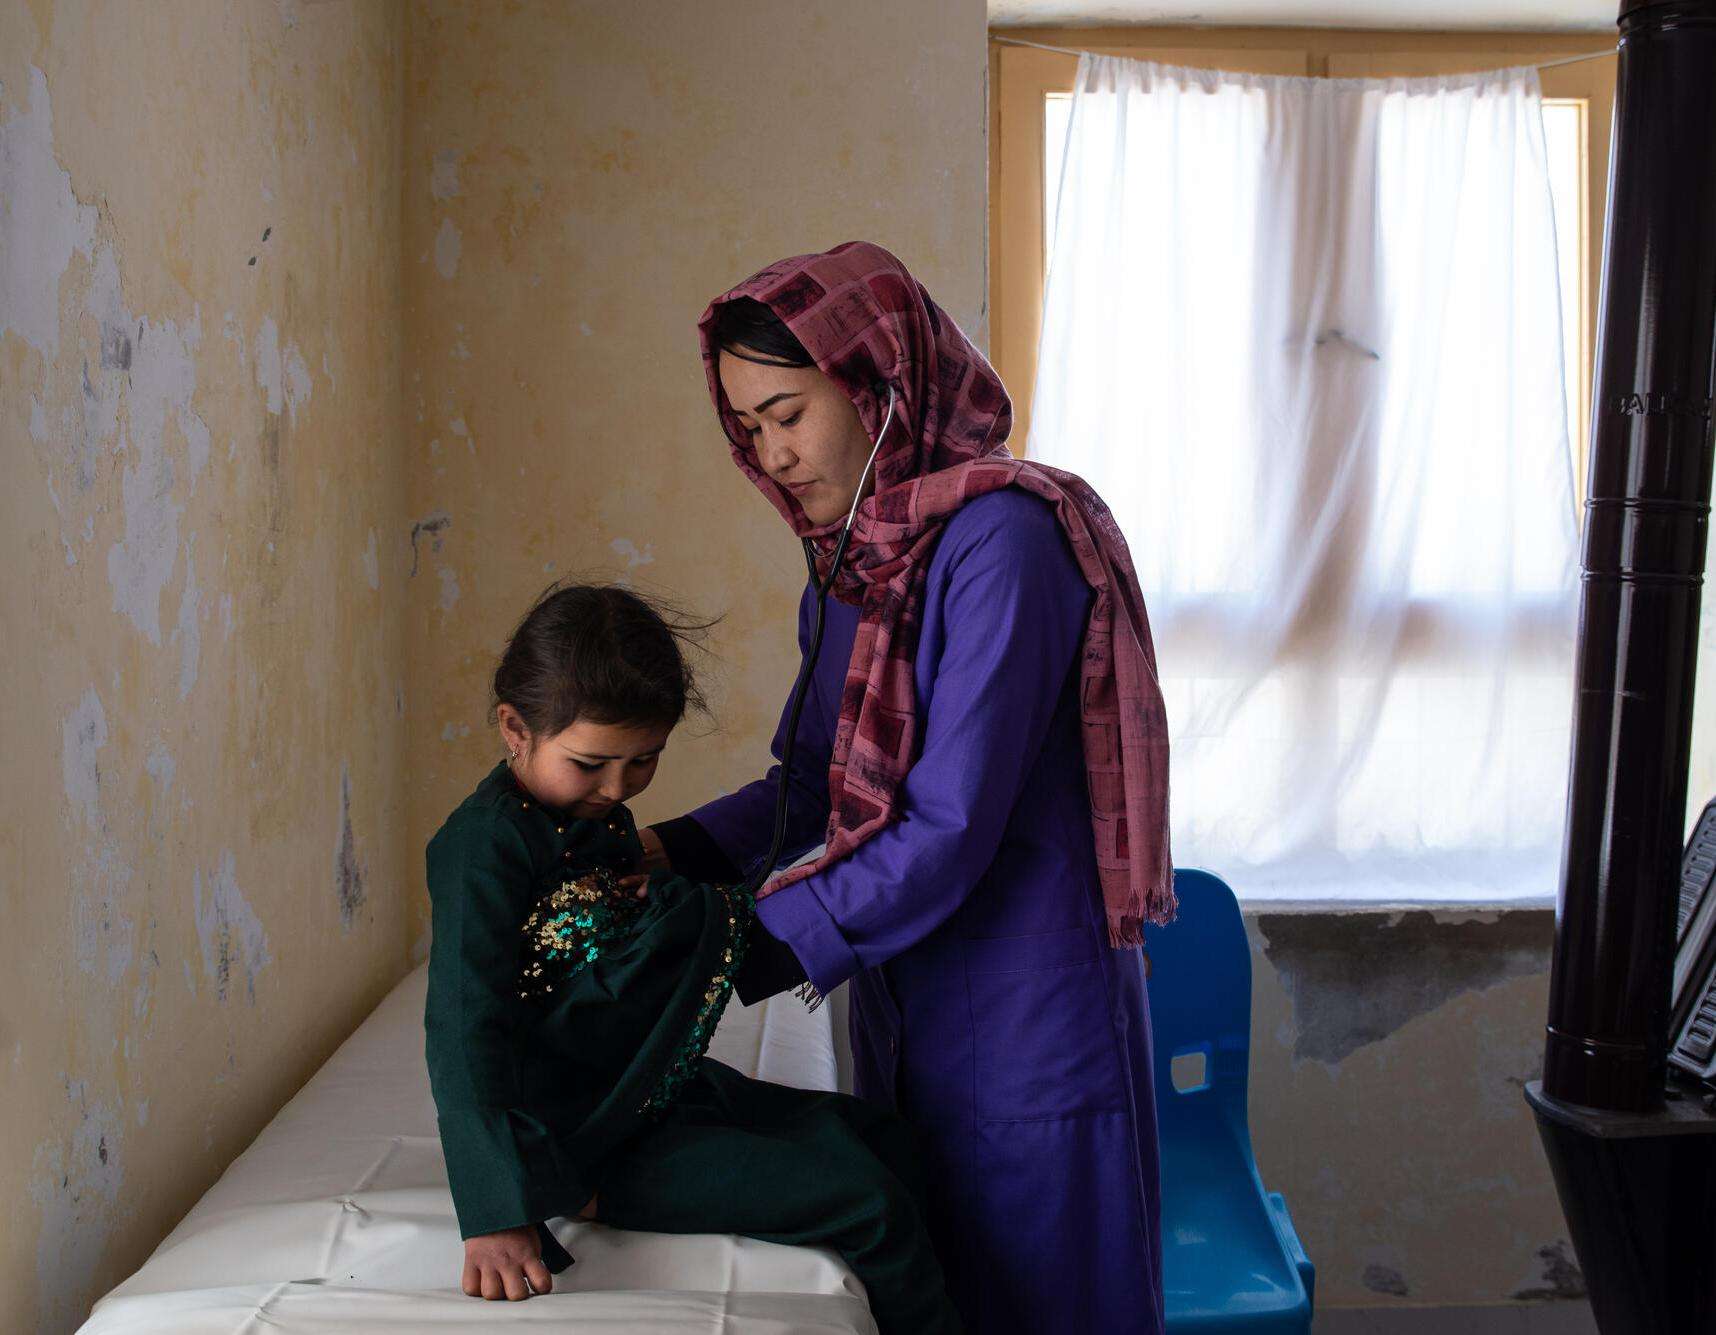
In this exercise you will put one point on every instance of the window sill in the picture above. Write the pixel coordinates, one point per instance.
(1446, 909)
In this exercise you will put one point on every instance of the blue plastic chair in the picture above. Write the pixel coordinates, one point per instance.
(1231, 1260)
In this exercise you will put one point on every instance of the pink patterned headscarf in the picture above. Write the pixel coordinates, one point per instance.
(868, 323)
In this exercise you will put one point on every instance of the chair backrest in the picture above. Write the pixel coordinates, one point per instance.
(1200, 1003)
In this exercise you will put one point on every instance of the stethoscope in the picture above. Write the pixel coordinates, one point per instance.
(795, 706)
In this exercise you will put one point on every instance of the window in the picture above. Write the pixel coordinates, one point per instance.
(1440, 607)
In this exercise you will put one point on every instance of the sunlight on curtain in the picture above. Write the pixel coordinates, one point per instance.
(1304, 336)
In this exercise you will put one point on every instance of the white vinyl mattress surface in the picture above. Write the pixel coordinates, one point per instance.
(338, 1218)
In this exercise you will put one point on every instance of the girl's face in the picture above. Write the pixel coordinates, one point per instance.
(806, 432)
(587, 767)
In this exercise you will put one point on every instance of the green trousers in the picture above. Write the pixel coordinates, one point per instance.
(736, 1155)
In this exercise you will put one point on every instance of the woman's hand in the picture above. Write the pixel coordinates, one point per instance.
(654, 855)
(498, 1265)
(654, 858)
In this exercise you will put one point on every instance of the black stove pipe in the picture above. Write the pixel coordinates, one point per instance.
(1635, 1158)
(1646, 519)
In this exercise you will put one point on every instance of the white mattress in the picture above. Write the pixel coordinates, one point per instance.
(338, 1218)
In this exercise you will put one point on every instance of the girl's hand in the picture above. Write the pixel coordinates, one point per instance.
(498, 1265)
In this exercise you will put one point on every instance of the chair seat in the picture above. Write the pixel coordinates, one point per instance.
(1223, 1264)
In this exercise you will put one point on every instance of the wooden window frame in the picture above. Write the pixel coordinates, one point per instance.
(1020, 78)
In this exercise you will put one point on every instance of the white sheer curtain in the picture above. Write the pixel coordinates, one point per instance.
(1304, 336)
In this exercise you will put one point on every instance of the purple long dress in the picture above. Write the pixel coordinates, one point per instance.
(986, 1005)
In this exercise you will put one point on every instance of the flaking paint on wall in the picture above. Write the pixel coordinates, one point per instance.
(41, 223)
(448, 243)
(78, 1184)
(187, 633)
(1356, 978)
(281, 373)
(232, 937)
(83, 734)
(444, 175)
(1386, 1100)
(151, 377)
(167, 840)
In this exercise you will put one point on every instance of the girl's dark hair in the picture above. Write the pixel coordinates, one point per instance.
(748, 329)
(598, 652)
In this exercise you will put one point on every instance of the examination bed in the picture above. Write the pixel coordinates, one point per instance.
(338, 1218)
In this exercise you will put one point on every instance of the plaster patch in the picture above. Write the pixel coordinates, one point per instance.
(141, 562)
(82, 735)
(281, 373)
(38, 422)
(1356, 978)
(1561, 1278)
(42, 224)
(626, 548)
(161, 767)
(96, 425)
(444, 175)
(159, 384)
(104, 938)
(447, 249)
(350, 875)
(115, 348)
(230, 933)
(230, 331)
(449, 588)
(188, 633)
(298, 386)
(77, 1187)
(59, 511)
(148, 967)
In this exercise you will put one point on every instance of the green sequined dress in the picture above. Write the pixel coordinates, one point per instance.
(566, 1025)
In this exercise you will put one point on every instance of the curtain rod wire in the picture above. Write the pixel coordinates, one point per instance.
(1074, 51)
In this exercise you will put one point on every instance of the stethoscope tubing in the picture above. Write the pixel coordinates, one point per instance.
(801, 687)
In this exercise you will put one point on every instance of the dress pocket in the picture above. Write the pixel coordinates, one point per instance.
(1043, 1032)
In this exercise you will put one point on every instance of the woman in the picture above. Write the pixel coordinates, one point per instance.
(985, 754)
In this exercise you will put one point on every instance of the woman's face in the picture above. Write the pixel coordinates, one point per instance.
(806, 432)
(587, 767)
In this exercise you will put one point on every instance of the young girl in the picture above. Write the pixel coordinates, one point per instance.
(569, 1006)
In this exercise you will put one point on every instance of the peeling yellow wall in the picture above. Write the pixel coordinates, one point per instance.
(580, 178)
(202, 861)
